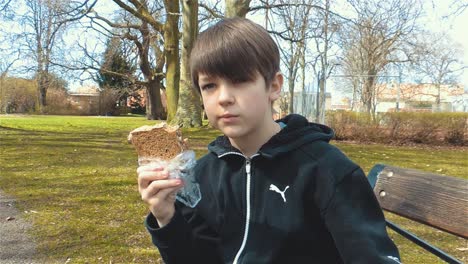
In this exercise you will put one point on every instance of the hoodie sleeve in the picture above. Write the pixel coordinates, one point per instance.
(356, 222)
(185, 239)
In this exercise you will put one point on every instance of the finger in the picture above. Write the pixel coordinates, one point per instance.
(173, 193)
(153, 175)
(149, 168)
(168, 195)
(146, 177)
(155, 187)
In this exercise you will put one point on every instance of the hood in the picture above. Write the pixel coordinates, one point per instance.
(298, 131)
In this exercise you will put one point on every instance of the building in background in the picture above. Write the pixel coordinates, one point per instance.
(412, 98)
(86, 99)
(420, 97)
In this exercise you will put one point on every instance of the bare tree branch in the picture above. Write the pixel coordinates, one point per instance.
(211, 11)
(458, 8)
(141, 12)
(111, 24)
(4, 5)
(267, 6)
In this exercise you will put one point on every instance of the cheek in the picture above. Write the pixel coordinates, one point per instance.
(208, 109)
(257, 103)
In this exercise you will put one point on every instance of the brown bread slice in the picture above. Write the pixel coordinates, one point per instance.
(158, 141)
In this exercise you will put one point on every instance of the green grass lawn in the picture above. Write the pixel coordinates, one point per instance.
(75, 179)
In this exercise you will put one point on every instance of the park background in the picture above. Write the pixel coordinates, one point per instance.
(77, 76)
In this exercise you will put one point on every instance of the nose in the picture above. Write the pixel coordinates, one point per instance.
(225, 96)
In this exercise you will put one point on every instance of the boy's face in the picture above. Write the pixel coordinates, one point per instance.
(239, 109)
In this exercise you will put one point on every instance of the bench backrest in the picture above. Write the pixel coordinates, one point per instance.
(435, 200)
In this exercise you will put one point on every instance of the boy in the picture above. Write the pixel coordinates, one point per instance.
(272, 192)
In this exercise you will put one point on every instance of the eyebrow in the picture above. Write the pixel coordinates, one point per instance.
(205, 78)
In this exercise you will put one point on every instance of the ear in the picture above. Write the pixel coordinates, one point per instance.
(275, 86)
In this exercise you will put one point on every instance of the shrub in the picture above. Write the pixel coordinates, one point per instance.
(58, 103)
(355, 126)
(401, 128)
(18, 95)
(457, 129)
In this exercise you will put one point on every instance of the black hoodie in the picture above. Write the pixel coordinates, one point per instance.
(298, 200)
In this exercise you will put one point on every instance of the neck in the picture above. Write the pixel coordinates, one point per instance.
(250, 144)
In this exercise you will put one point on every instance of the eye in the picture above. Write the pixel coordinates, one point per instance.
(207, 86)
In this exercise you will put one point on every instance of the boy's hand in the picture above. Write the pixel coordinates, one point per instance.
(158, 192)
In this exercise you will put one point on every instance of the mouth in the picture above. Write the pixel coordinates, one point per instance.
(227, 118)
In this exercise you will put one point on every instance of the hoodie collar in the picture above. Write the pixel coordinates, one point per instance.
(298, 131)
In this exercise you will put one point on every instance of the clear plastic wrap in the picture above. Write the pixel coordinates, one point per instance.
(181, 166)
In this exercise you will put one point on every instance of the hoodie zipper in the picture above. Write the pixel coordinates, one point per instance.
(247, 193)
(247, 214)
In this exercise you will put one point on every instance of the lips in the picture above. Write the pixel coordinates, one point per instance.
(228, 118)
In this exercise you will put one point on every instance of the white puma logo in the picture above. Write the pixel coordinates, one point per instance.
(276, 189)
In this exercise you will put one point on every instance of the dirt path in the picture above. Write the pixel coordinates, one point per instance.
(15, 245)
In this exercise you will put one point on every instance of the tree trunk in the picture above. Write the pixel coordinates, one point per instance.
(154, 107)
(42, 85)
(171, 51)
(356, 83)
(438, 97)
(325, 68)
(304, 108)
(369, 94)
(189, 107)
(291, 89)
(236, 8)
(40, 75)
(321, 101)
(292, 74)
(42, 98)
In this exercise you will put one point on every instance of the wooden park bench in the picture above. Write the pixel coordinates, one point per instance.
(431, 199)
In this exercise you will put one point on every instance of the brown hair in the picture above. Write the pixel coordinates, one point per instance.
(235, 49)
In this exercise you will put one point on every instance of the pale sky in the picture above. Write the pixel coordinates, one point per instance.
(434, 20)
(435, 9)
(456, 26)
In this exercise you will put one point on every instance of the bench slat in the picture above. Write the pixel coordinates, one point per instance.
(431, 199)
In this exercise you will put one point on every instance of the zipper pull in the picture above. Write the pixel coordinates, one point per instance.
(247, 166)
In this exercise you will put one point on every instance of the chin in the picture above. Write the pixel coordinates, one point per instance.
(232, 133)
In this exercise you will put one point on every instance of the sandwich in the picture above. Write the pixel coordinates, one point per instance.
(160, 141)
(162, 144)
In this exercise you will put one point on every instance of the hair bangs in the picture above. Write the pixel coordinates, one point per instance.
(235, 49)
(231, 62)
